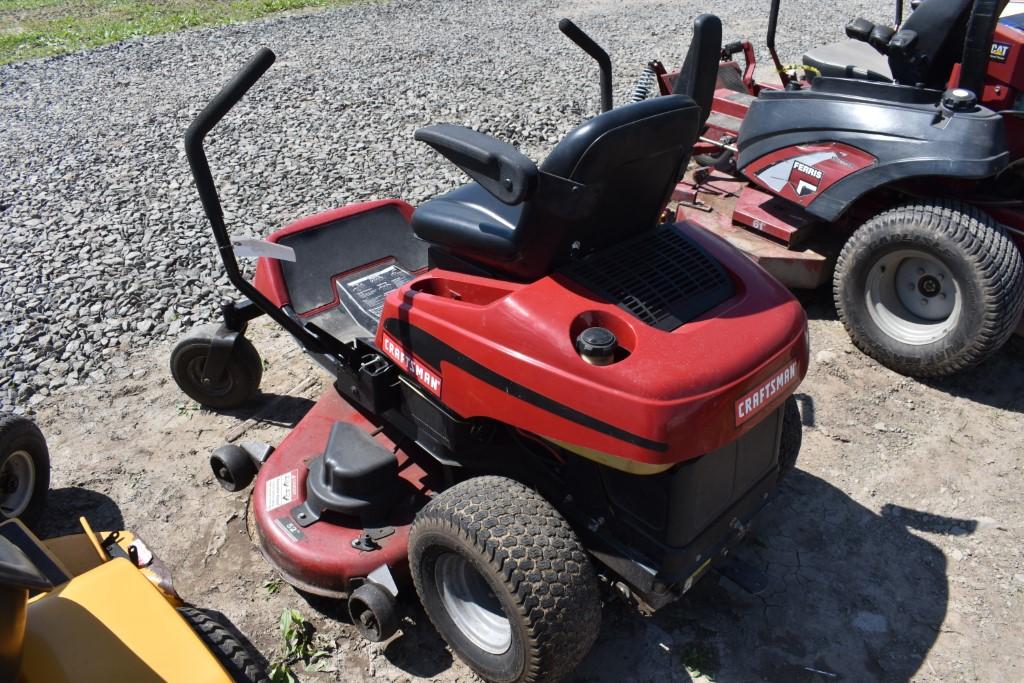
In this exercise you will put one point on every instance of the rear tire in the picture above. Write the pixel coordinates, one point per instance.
(24, 469)
(791, 439)
(241, 663)
(505, 581)
(237, 385)
(929, 288)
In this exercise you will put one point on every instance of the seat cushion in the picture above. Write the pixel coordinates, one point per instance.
(849, 59)
(469, 221)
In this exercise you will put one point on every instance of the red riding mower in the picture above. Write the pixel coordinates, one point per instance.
(893, 165)
(540, 387)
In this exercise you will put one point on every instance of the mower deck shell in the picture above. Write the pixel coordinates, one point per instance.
(320, 558)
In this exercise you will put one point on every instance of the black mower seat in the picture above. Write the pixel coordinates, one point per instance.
(849, 59)
(605, 181)
(922, 52)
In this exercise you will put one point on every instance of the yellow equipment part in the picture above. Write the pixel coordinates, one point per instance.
(111, 623)
(77, 554)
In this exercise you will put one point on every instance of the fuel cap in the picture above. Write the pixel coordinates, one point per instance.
(597, 345)
(959, 99)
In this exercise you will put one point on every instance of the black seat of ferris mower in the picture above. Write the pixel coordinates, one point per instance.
(696, 77)
(922, 52)
(536, 218)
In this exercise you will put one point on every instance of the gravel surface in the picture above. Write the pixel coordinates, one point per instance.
(103, 246)
(895, 553)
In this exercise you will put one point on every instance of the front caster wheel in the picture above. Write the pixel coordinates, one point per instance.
(232, 467)
(930, 287)
(236, 383)
(24, 469)
(505, 581)
(373, 612)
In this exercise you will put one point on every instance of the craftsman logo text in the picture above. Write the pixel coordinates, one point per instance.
(756, 400)
(422, 374)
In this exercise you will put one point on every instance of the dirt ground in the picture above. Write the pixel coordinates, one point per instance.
(895, 552)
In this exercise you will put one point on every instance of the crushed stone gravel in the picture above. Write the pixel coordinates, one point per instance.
(103, 245)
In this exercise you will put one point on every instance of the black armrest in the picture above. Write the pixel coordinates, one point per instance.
(498, 167)
(880, 37)
(903, 43)
(860, 29)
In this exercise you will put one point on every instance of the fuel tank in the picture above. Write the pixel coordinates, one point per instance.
(706, 345)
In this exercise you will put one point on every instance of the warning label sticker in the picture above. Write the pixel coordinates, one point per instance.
(281, 490)
(362, 294)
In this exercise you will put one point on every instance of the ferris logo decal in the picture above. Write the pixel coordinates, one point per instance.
(422, 374)
(1000, 52)
(809, 170)
(756, 400)
(797, 172)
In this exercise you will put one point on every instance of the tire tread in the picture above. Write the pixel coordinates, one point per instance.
(982, 240)
(526, 541)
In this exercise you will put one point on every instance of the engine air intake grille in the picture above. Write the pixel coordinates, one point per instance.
(662, 277)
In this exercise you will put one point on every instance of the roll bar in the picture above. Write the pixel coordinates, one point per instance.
(577, 35)
(978, 43)
(209, 117)
(773, 22)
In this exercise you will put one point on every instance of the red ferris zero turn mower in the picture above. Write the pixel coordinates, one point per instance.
(541, 388)
(893, 167)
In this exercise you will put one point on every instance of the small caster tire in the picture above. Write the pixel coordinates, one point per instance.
(24, 469)
(232, 467)
(374, 612)
(238, 383)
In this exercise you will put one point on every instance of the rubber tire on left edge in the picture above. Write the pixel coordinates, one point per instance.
(531, 560)
(791, 439)
(244, 370)
(240, 663)
(19, 433)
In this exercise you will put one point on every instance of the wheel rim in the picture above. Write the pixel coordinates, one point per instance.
(17, 481)
(219, 387)
(471, 604)
(913, 297)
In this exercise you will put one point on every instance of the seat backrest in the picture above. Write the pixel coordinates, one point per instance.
(699, 74)
(607, 180)
(941, 27)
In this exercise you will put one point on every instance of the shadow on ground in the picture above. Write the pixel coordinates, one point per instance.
(994, 382)
(64, 507)
(851, 593)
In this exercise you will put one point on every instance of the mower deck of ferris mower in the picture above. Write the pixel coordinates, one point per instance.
(540, 386)
(892, 167)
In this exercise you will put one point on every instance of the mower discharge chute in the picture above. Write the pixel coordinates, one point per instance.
(539, 385)
(892, 166)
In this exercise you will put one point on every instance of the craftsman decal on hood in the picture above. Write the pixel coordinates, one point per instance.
(759, 398)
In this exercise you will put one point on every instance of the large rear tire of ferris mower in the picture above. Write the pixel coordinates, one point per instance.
(237, 384)
(930, 288)
(24, 469)
(505, 581)
(238, 659)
